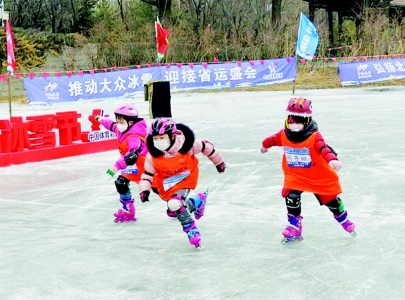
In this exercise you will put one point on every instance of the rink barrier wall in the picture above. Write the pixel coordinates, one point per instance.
(7, 159)
(51, 136)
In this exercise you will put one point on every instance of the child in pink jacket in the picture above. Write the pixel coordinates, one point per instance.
(131, 132)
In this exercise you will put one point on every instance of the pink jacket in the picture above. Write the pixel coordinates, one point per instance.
(138, 130)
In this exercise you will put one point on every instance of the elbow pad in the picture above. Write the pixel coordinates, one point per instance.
(131, 157)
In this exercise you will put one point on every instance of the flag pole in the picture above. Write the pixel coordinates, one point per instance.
(9, 94)
(296, 71)
(293, 90)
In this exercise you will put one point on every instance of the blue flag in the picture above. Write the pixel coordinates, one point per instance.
(308, 38)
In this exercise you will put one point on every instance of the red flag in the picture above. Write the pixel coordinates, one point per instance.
(161, 40)
(11, 63)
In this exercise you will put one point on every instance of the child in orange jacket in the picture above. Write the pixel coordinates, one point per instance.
(309, 165)
(172, 167)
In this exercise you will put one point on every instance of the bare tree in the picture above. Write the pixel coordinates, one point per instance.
(164, 7)
(198, 11)
(28, 14)
(121, 4)
(53, 9)
(57, 16)
(276, 12)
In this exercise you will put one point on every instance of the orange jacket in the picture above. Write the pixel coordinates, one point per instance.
(306, 170)
(175, 173)
(132, 173)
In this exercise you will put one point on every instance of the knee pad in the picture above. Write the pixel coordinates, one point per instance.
(336, 206)
(122, 185)
(174, 204)
(293, 199)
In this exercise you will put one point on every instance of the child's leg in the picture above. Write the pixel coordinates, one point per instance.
(127, 212)
(176, 204)
(183, 194)
(337, 208)
(293, 204)
(292, 201)
(196, 204)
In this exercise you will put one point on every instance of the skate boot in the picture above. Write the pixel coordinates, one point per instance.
(197, 203)
(189, 227)
(293, 232)
(193, 234)
(346, 223)
(126, 213)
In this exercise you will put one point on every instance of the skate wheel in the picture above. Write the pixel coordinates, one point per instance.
(124, 221)
(292, 240)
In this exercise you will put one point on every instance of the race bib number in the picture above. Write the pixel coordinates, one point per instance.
(173, 180)
(297, 158)
(130, 170)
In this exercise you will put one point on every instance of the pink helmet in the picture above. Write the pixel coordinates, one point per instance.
(126, 111)
(299, 107)
(163, 126)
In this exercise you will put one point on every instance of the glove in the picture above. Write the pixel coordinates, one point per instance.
(335, 164)
(144, 196)
(264, 149)
(221, 167)
(94, 119)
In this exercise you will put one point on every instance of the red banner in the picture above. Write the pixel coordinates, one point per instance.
(11, 63)
(161, 40)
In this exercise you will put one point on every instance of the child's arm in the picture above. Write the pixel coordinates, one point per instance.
(135, 145)
(271, 141)
(327, 152)
(208, 149)
(324, 149)
(145, 184)
(107, 123)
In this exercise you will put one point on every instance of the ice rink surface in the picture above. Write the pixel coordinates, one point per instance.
(58, 239)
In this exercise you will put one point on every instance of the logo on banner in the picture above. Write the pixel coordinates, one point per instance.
(273, 73)
(362, 71)
(101, 135)
(50, 92)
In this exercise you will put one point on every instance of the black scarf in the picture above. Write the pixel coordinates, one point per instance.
(300, 136)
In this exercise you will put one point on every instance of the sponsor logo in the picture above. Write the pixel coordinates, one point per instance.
(273, 75)
(50, 91)
(362, 71)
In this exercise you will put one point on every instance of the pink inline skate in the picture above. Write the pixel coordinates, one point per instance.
(193, 234)
(126, 213)
(293, 232)
(346, 223)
